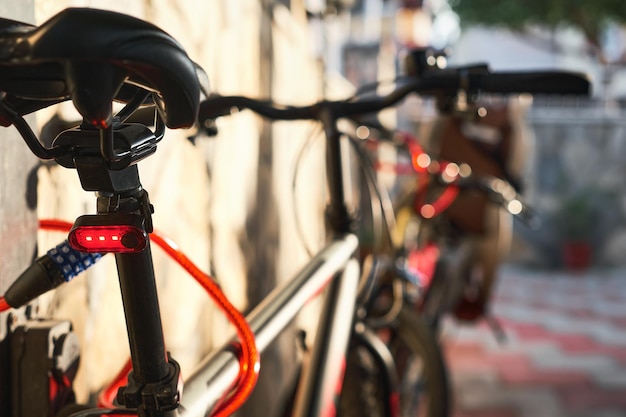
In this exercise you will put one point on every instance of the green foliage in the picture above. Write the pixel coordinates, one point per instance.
(589, 16)
(588, 214)
(576, 217)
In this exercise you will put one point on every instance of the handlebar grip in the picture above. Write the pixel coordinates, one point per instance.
(545, 82)
(61, 264)
(503, 193)
(523, 212)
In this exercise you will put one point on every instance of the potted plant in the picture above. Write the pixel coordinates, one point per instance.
(584, 220)
(575, 219)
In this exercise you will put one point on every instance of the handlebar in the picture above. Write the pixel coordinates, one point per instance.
(432, 84)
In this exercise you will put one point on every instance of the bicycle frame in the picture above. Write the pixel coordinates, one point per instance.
(319, 381)
(334, 268)
(152, 385)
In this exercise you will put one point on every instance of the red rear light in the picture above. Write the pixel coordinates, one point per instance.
(108, 233)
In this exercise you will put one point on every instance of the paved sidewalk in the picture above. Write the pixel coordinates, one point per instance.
(565, 354)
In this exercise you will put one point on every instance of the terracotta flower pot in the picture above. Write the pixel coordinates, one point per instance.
(577, 255)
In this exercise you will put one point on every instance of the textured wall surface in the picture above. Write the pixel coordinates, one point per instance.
(18, 199)
(207, 197)
(17, 189)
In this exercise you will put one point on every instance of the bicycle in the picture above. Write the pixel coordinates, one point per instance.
(481, 138)
(434, 248)
(125, 59)
(453, 194)
(458, 192)
(370, 320)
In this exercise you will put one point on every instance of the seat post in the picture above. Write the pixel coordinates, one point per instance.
(153, 383)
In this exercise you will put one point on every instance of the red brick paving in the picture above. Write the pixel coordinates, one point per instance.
(576, 398)
(517, 369)
(489, 412)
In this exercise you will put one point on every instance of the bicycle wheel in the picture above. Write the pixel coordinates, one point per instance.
(395, 371)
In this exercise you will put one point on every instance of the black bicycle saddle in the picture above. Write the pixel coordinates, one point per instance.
(87, 55)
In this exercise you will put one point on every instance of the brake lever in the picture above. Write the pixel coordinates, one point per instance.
(505, 194)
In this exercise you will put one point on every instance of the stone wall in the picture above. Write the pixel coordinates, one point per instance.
(18, 199)
(227, 201)
(18, 196)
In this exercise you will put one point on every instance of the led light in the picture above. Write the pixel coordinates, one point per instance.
(442, 62)
(110, 232)
(450, 172)
(362, 132)
(427, 211)
(515, 207)
(108, 238)
(422, 160)
(465, 170)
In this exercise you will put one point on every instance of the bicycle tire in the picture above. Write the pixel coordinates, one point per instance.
(414, 348)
